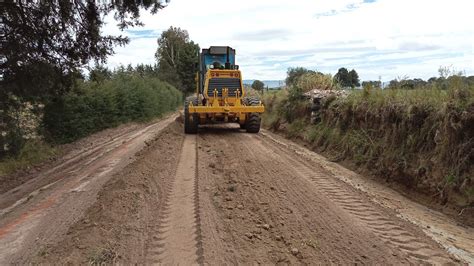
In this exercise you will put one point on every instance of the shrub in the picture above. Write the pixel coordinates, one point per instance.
(19, 122)
(32, 152)
(96, 106)
(319, 81)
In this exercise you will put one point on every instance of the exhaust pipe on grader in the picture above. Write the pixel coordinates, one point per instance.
(220, 95)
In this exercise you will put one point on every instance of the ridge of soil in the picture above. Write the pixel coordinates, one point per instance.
(464, 216)
(115, 228)
(66, 152)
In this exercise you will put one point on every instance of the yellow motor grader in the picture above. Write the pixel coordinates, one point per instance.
(220, 95)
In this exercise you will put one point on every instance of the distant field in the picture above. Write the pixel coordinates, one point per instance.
(270, 83)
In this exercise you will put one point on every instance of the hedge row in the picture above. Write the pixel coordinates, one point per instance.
(96, 106)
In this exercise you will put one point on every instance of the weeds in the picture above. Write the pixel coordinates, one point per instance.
(102, 256)
(392, 132)
(450, 179)
(297, 127)
(33, 152)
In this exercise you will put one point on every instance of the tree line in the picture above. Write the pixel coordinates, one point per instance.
(343, 77)
(45, 48)
(350, 79)
(107, 99)
(417, 83)
(46, 44)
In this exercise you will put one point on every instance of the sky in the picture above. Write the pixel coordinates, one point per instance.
(380, 39)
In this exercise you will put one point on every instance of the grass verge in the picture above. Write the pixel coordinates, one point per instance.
(32, 153)
(422, 139)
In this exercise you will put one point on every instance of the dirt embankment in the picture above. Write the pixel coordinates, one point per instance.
(423, 150)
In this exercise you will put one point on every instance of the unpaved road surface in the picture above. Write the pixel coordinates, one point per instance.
(219, 197)
(42, 209)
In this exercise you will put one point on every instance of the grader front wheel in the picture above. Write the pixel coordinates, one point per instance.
(191, 121)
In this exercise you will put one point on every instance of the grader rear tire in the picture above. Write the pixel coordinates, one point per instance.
(252, 125)
(191, 121)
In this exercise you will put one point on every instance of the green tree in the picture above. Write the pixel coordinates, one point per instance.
(177, 58)
(293, 73)
(258, 85)
(44, 43)
(130, 68)
(100, 73)
(393, 84)
(354, 77)
(343, 78)
(347, 78)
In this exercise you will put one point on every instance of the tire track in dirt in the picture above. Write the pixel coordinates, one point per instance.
(74, 157)
(255, 202)
(117, 227)
(64, 193)
(83, 160)
(306, 205)
(367, 212)
(294, 193)
(175, 236)
(75, 163)
(262, 211)
(215, 248)
(457, 239)
(388, 230)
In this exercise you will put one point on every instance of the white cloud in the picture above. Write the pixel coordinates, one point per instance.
(385, 38)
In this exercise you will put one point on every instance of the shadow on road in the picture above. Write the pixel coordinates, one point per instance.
(217, 129)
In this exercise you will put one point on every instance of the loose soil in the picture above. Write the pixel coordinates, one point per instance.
(228, 197)
(40, 211)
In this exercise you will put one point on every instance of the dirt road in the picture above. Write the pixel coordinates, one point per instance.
(42, 209)
(219, 197)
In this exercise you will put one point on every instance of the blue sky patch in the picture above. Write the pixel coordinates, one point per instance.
(142, 33)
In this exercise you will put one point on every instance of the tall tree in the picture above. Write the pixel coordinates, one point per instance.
(347, 78)
(46, 42)
(293, 73)
(258, 85)
(343, 78)
(354, 77)
(177, 57)
(100, 73)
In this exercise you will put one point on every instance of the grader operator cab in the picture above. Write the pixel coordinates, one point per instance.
(220, 96)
